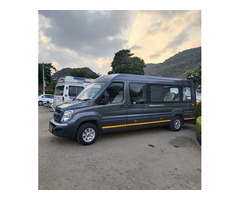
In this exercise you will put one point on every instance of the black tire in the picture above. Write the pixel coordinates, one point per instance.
(40, 103)
(176, 124)
(87, 134)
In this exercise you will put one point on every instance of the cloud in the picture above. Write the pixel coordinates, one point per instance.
(157, 54)
(177, 41)
(155, 28)
(192, 19)
(135, 47)
(170, 21)
(94, 33)
(91, 38)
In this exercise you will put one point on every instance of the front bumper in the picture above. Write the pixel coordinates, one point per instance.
(68, 130)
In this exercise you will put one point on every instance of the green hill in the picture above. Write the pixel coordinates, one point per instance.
(67, 71)
(177, 65)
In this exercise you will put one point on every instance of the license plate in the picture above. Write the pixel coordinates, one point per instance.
(50, 129)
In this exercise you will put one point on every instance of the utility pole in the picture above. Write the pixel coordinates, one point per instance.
(43, 78)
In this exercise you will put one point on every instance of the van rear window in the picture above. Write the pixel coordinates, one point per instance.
(187, 94)
(59, 90)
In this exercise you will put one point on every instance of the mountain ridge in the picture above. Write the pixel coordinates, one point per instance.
(66, 71)
(177, 65)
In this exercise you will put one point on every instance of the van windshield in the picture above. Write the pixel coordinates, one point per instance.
(59, 90)
(90, 91)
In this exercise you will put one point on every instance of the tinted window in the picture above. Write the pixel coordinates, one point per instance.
(187, 94)
(115, 93)
(163, 93)
(74, 90)
(138, 93)
(49, 96)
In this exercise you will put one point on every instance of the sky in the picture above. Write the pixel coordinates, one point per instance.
(85, 38)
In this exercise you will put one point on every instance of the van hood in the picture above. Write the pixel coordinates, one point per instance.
(75, 104)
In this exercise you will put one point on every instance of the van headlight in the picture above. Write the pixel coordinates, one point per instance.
(67, 115)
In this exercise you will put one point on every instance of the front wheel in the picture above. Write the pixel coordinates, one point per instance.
(87, 134)
(176, 124)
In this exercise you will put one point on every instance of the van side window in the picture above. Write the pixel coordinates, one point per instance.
(138, 93)
(187, 94)
(74, 90)
(163, 93)
(115, 93)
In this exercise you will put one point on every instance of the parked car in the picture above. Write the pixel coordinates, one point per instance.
(48, 103)
(44, 98)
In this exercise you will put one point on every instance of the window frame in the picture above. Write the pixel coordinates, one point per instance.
(170, 86)
(123, 99)
(57, 90)
(147, 93)
(75, 88)
(191, 93)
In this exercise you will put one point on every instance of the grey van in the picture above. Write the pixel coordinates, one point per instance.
(122, 102)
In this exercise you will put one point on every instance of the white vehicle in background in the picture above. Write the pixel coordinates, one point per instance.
(44, 98)
(48, 103)
(68, 88)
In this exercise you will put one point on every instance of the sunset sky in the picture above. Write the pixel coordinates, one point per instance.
(91, 38)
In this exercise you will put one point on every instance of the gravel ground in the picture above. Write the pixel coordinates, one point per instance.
(149, 159)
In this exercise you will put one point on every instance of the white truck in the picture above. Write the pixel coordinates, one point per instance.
(68, 88)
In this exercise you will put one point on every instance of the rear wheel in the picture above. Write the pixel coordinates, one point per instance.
(40, 103)
(176, 124)
(87, 134)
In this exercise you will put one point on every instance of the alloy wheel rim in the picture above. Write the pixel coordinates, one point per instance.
(88, 135)
(177, 124)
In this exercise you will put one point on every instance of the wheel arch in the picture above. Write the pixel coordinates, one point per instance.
(178, 112)
(93, 120)
(180, 116)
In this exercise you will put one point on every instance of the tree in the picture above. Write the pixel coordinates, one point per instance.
(47, 72)
(78, 73)
(123, 62)
(196, 76)
(84, 73)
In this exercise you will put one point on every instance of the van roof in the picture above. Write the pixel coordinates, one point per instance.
(133, 77)
(73, 79)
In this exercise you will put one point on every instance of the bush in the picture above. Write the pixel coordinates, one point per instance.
(47, 92)
(199, 109)
(199, 125)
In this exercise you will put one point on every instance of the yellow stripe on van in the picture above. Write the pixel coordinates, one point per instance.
(189, 118)
(115, 126)
(153, 122)
(142, 123)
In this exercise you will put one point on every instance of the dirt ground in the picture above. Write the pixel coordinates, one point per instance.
(149, 159)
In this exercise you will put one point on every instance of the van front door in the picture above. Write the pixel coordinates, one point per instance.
(113, 108)
(138, 111)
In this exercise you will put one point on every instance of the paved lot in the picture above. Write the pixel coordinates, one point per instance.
(147, 159)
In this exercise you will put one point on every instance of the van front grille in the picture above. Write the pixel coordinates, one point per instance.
(57, 115)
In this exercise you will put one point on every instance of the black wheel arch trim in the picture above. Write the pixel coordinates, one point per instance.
(89, 119)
